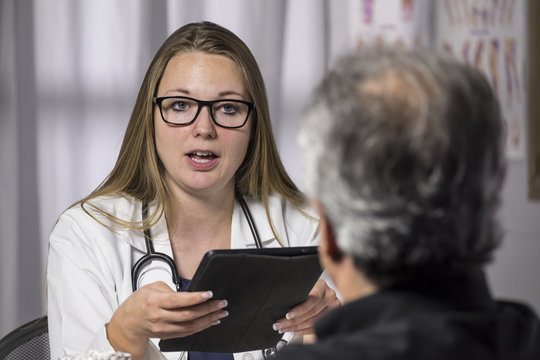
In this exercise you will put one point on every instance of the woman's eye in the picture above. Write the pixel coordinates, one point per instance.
(180, 106)
(228, 109)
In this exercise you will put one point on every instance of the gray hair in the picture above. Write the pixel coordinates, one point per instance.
(404, 151)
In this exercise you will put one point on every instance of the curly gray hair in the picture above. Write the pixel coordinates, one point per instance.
(404, 151)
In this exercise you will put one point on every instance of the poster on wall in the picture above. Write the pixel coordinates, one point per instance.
(400, 23)
(489, 34)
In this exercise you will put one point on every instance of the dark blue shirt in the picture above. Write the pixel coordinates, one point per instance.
(195, 355)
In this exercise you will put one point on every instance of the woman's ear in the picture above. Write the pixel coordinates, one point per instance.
(329, 245)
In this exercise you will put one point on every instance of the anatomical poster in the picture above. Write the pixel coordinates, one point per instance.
(401, 23)
(490, 34)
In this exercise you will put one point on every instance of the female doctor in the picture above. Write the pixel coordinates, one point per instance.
(198, 165)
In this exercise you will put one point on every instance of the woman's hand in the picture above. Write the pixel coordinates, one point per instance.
(156, 311)
(300, 319)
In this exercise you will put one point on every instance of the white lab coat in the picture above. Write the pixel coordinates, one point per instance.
(89, 266)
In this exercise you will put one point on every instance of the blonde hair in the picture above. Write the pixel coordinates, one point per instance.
(138, 171)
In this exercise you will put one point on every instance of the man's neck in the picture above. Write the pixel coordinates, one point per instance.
(351, 283)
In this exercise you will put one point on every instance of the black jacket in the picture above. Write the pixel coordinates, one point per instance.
(437, 317)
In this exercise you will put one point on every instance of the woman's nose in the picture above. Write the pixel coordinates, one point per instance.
(204, 125)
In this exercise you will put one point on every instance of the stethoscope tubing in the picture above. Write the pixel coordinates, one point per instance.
(151, 254)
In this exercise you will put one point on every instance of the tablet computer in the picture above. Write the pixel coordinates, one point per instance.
(260, 285)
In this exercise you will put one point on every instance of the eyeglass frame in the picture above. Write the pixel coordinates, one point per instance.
(200, 104)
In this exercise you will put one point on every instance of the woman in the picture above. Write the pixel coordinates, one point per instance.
(199, 134)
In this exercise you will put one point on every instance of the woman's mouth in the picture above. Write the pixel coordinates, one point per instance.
(202, 157)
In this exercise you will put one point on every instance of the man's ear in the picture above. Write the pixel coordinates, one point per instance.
(328, 238)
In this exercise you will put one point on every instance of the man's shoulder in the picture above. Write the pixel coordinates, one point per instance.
(312, 352)
(519, 327)
(351, 346)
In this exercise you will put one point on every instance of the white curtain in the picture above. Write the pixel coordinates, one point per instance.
(70, 72)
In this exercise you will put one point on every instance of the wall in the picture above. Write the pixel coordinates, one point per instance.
(516, 269)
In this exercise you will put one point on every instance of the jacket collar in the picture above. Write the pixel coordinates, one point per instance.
(464, 291)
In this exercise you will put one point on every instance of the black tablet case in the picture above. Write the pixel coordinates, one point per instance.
(260, 285)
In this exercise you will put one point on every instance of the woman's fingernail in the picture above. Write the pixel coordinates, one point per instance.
(275, 327)
(222, 304)
(290, 315)
(207, 294)
(224, 314)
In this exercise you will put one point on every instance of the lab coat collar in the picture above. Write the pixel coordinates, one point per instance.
(158, 232)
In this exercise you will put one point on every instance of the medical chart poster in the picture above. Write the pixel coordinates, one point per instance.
(491, 35)
(400, 23)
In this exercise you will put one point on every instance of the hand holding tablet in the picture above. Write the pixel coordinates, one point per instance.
(260, 285)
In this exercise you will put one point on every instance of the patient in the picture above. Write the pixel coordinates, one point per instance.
(405, 162)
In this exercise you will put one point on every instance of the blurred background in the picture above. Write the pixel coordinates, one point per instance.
(70, 71)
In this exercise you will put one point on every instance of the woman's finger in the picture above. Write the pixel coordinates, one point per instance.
(186, 314)
(174, 300)
(316, 295)
(303, 327)
(186, 328)
(302, 316)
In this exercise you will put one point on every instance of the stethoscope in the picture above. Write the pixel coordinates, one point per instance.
(151, 255)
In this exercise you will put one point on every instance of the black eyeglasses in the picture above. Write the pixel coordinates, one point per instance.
(183, 110)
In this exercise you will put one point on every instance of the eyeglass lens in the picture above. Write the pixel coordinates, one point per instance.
(227, 113)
